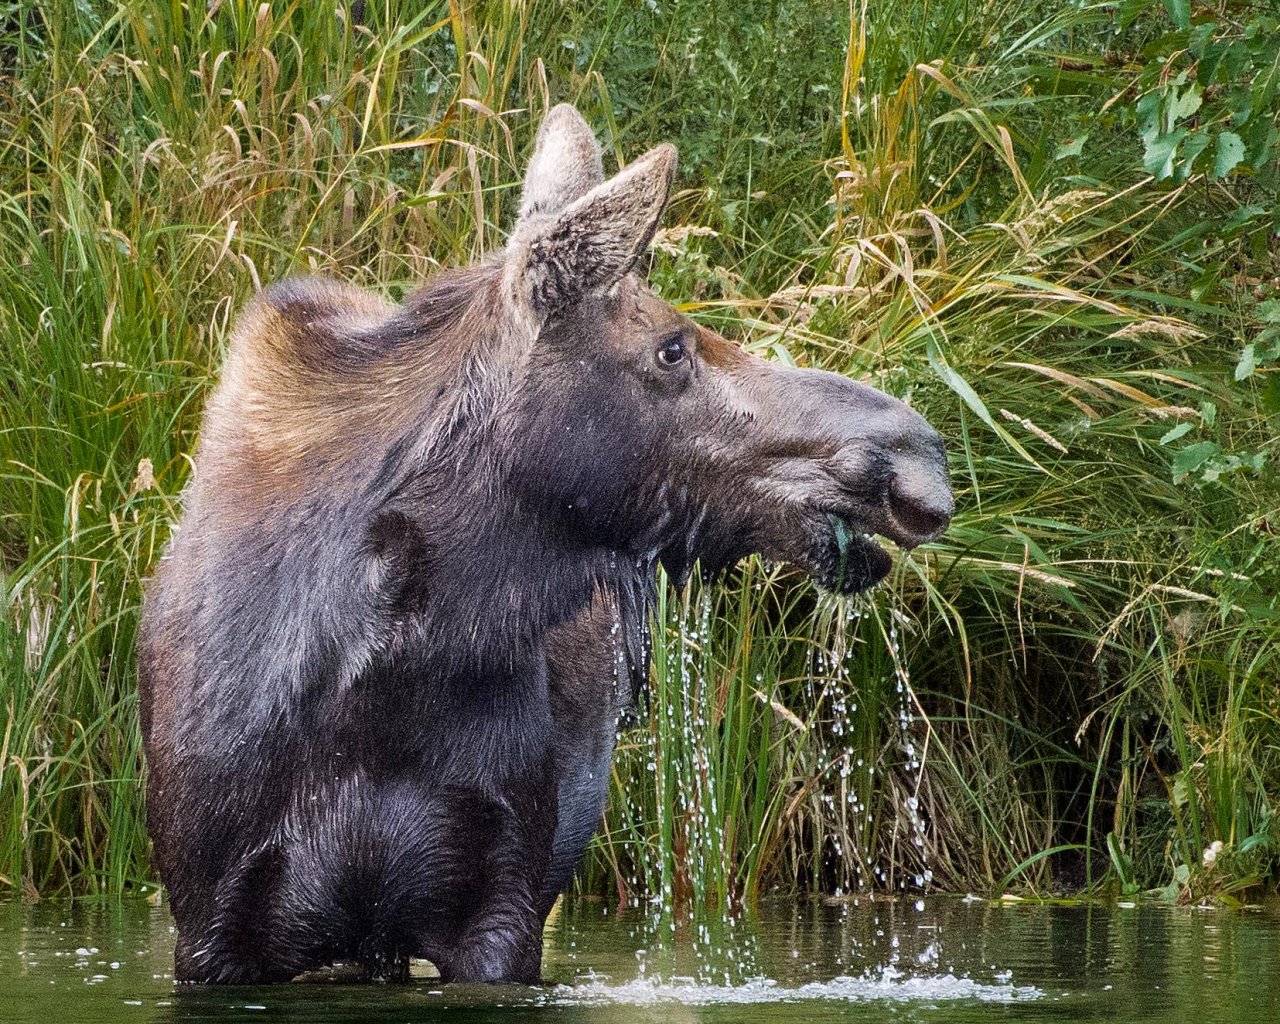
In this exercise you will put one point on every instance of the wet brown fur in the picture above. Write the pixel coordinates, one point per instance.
(383, 660)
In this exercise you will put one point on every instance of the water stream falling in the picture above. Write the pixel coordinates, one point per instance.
(872, 753)
(913, 754)
(837, 733)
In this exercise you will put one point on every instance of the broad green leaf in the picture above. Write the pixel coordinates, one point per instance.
(1230, 153)
(1247, 363)
(1072, 147)
(1268, 312)
(1148, 110)
(1166, 893)
(1186, 104)
(1200, 42)
(1260, 138)
(1160, 153)
(1240, 103)
(1179, 11)
(1181, 430)
(1243, 217)
(1216, 469)
(1192, 457)
(1192, 147)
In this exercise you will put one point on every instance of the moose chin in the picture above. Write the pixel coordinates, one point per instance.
(383, 659)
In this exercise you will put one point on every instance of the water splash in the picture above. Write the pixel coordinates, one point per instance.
(888, 984)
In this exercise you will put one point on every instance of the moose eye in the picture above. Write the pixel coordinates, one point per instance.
(672, 353)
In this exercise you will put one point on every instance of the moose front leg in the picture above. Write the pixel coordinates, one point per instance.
(502, 944)
(500, 938)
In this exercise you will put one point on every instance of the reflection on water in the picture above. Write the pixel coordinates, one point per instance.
(941, 959)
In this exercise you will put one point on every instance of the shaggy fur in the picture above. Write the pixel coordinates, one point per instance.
(383, 660)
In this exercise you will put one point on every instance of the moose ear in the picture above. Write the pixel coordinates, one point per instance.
(565, 164)
(589, 245)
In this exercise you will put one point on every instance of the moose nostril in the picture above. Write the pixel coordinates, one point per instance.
(921, 514)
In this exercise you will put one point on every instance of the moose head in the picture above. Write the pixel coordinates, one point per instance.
(646, 433)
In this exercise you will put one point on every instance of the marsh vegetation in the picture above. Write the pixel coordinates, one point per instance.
(1053, 228)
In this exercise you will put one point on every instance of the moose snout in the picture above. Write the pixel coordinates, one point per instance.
(915, 495)
(888, 464)
(919, 503)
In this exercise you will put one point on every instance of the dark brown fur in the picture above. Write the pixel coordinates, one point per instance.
(383, 660)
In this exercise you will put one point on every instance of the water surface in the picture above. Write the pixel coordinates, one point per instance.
(942, 959)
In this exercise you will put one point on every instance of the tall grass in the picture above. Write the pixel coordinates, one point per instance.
(1076, 686)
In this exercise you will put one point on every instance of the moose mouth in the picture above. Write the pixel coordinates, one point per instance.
(848, 559)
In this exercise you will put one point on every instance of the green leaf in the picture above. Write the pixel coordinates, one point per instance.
(1200, 43)
(1186, 104)
(1072, 147)
(1160, 152)
(1240, 103)
(1270, 396)
(1192, 457)
(1260, 140)
(1148, 110)
(1179, 11)
(1230, 153)
(1120, 860)
(1243, 217)
(1247, 363)
(1268, 312)
(1257, 841)
(1195, 143)
(1181, 430)
(1215, 469)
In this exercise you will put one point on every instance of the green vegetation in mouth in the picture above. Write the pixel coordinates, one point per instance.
(844, 537)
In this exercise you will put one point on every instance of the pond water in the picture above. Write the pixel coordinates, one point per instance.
(941, 959)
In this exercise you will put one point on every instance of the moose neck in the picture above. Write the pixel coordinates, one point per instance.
(486, 595)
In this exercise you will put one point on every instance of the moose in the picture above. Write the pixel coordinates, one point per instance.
(383, 659)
